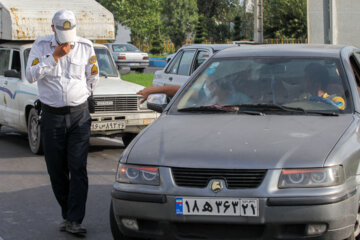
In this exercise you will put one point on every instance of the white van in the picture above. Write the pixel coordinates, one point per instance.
(117, 111)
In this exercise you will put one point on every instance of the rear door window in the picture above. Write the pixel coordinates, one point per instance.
(173, 67)
(186, 61)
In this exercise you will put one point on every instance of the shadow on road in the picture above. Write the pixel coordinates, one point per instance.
(34, 214)
(18, 143)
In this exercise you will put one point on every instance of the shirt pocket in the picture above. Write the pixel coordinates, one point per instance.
(76, 69)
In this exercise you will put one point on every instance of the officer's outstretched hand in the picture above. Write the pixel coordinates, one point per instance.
(61, 51)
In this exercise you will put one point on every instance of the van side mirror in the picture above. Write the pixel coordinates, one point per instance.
(157, 102)
(12, 73)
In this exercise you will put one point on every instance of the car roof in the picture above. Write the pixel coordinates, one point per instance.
(119, 44)
(271, 50)
(213, 47)
(28, 44)
(16, 44)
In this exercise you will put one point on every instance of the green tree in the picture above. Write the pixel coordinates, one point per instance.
(142, 17)
(285, 19)
(237, 28)
(179, 18)
(223, 31)
(200, 30)
(216, 13)
(156, 45)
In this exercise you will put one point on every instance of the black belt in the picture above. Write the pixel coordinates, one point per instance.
(64, 110)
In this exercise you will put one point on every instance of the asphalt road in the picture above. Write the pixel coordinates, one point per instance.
(28, 209)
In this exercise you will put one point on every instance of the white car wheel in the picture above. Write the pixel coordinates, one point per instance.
(34, 132)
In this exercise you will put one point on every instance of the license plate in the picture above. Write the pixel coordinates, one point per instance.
(134, 64)
(102, 126)
(247, 207)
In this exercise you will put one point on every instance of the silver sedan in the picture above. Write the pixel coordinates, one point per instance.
(262, 142)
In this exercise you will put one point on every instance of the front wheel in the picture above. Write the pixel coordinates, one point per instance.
(34, 132)
(127, 138)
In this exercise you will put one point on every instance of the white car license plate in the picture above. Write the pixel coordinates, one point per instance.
(113, 125)
(247, 207)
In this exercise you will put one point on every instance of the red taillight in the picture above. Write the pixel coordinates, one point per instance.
(122, 57)
(145, 58)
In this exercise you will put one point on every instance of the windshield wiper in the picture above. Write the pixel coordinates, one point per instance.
(209, 108)
(277, 107)
(267, 106)
(334, 114)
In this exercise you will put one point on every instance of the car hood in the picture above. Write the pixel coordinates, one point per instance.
(238, 141)
(115, 86)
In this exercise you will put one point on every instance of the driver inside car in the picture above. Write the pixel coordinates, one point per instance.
(316, 79)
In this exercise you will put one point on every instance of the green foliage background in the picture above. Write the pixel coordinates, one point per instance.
(175, 20)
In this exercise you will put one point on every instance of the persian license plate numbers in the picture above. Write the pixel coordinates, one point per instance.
(247, 207)
(112, 125)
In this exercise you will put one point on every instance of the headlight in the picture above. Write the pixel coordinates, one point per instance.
(143, 106)
(138, 174)
(312, 177)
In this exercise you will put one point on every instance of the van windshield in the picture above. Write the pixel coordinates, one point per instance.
(106, 65)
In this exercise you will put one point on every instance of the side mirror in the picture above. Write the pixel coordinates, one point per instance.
(12, 73)
(157, 102)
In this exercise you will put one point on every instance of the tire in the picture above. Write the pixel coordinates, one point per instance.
(116, 233)
(140, 70)
(34, 137)
(127, 138)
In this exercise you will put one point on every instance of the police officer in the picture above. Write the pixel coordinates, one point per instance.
(66, 70)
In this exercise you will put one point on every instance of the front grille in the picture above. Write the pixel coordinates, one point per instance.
(234, 178)
(116, 103)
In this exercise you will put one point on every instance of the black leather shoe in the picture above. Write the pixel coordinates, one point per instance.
(73, 227)
(62, 226)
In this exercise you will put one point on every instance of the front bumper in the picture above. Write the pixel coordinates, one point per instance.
(135, 122)
(286, 218)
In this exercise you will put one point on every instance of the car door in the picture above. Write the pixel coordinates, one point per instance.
(179, 69)
(5, 93)
(12, 84)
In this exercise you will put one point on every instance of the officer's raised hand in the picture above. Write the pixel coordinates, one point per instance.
(61, 50)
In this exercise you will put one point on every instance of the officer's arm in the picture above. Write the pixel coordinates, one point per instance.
(92, 71)
(39, 65)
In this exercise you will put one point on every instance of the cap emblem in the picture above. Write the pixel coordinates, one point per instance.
(67, 25)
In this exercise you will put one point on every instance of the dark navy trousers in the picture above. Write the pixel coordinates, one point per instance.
(65, 141)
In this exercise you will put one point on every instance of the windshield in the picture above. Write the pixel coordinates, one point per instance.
(272, 83)
(106, 64)
(124, 48)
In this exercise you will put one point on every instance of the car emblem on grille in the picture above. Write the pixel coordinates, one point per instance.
(104, 103)
(216, 186)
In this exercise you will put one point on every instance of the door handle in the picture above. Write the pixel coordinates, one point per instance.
(6, 82)
(170, 78)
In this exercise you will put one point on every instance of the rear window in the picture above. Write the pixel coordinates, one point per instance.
(124, 48)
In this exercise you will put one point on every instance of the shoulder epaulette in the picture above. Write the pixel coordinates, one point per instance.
(84, 41)
(44, 39)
